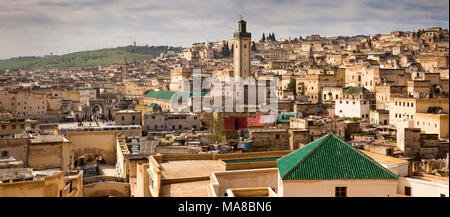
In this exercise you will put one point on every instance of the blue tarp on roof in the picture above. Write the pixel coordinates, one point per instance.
(244, 145)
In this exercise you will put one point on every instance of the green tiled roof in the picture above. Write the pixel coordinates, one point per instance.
(167, 95)
(356, 90)
(250, 160)
(160, 94)
(330, 157)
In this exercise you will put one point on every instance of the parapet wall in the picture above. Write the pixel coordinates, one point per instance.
(254, 178)
(243, 177)
(48, 186)
(102, 143)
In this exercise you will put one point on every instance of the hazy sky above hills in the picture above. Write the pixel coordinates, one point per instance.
(38, 27)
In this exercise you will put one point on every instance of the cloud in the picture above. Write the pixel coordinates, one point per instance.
(38, 27)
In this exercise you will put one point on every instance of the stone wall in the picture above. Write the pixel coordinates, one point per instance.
(48, 186)
(268, 140)
(102, 143)
(298, 138)
(17, 148)
(45, 156)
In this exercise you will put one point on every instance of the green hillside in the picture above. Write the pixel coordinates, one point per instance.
(86, 58)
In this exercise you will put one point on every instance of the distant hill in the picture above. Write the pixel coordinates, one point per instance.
(84, 59)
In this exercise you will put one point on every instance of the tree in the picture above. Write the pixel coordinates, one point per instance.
(107, 95)
(215, 126)
(273, 37)
(291, 85)
(225, 50)
(253, 46)
(263, 38)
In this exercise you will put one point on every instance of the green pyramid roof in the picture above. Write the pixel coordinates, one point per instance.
(154, 105)
(351, 90)
(330, 157)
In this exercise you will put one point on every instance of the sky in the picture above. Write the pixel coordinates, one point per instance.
(41, 27)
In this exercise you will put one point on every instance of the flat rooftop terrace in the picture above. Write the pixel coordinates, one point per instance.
(432, 179)
(185, 189)
(383, 159)
(188, 175)
(189, 168)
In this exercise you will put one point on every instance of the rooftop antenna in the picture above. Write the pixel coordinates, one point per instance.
(241, 17)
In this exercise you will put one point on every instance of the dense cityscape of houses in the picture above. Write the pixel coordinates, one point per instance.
(356, 116)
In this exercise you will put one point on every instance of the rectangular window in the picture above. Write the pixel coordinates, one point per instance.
(407, 191)
(341, 191)
(4, 153)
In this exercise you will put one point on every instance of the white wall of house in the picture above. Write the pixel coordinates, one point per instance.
(326, 188)
(421, 187)
(352, 108)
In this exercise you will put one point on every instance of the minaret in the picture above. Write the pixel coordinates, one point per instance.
(125, 70)
(241, 51)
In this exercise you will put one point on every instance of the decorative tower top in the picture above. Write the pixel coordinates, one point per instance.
(242, 25)
(242, 31)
